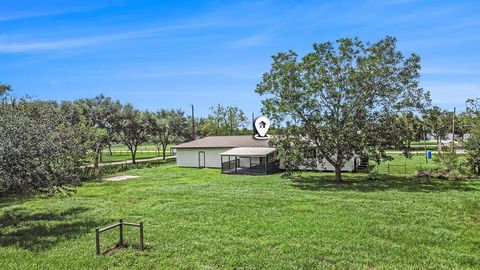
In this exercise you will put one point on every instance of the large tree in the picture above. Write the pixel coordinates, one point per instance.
(437, 122)
(132, 128)
(40, 149)
(409, 128)
(340, 100)
(101, 114)
(166, 127)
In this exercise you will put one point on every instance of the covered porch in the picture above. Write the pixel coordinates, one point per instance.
(249, 160)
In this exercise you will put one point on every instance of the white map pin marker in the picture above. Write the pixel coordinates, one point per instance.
(262, 124)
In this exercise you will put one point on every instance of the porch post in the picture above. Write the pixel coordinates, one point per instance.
(266, 162)
(236, 164)
(250, 164)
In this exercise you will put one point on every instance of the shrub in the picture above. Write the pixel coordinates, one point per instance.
(39, 149)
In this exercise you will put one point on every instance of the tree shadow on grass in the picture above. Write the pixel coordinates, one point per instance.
(362, 183)
(42, 231)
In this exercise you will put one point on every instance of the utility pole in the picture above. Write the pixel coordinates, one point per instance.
(253, 123)
(193, 123)
(453, 130)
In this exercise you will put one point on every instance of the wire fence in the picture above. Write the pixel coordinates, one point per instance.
(89, 172)
(401, 168)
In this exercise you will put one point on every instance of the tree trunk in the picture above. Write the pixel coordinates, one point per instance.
(164, 153)
(110, 149)
(134, 153)
(96, 161)
(439, 145)
(338, 174)
(97, 157)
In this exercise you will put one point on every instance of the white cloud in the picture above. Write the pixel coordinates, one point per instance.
(27, 46)
(252, 41)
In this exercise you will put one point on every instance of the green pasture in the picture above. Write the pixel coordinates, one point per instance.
(201, 219)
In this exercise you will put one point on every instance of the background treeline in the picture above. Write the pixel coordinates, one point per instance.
(44, 145)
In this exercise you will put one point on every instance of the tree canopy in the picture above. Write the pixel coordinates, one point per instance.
(132, 128)
(40, 149)
(340, 100)
(437, 122)
(167, 126)
(224, 120)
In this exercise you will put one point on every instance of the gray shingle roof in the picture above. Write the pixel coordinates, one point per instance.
(224, 142)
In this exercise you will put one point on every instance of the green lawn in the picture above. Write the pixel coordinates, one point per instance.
(402, 165)
(124, 156)
(422, 143)
(120, 152)
(200, 219)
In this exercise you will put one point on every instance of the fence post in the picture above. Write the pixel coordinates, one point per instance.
(405, 168)
(141, 236)
(120, 240)
(97, 241)
(388, 168)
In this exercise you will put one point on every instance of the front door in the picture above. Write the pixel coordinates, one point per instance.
(201, 159)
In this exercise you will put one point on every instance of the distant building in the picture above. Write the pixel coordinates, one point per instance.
(241, 155)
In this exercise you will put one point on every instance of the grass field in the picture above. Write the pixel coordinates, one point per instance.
(402, 165)
(142, 147)
(120, 152)
(200, 219)
(124, 156)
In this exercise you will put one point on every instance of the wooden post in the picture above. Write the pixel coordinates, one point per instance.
(388, 168)
(97, 241)
(266, 161)
(120, 240)
(251, 165)
(141, 236)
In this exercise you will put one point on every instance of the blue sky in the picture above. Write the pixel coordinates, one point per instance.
(170, 54)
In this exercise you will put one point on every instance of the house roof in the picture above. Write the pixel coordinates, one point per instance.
(224, 142)
(248, 151)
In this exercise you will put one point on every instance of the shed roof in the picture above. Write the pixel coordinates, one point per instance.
(248, 151)
(224, 142)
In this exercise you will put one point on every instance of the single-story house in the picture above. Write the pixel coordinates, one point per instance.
(239, 155)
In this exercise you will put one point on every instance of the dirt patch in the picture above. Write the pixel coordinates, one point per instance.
(121, 178)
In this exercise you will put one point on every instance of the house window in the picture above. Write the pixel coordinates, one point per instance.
(262, 160)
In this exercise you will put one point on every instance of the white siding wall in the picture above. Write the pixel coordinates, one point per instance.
(189, 157)
(326, 166)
